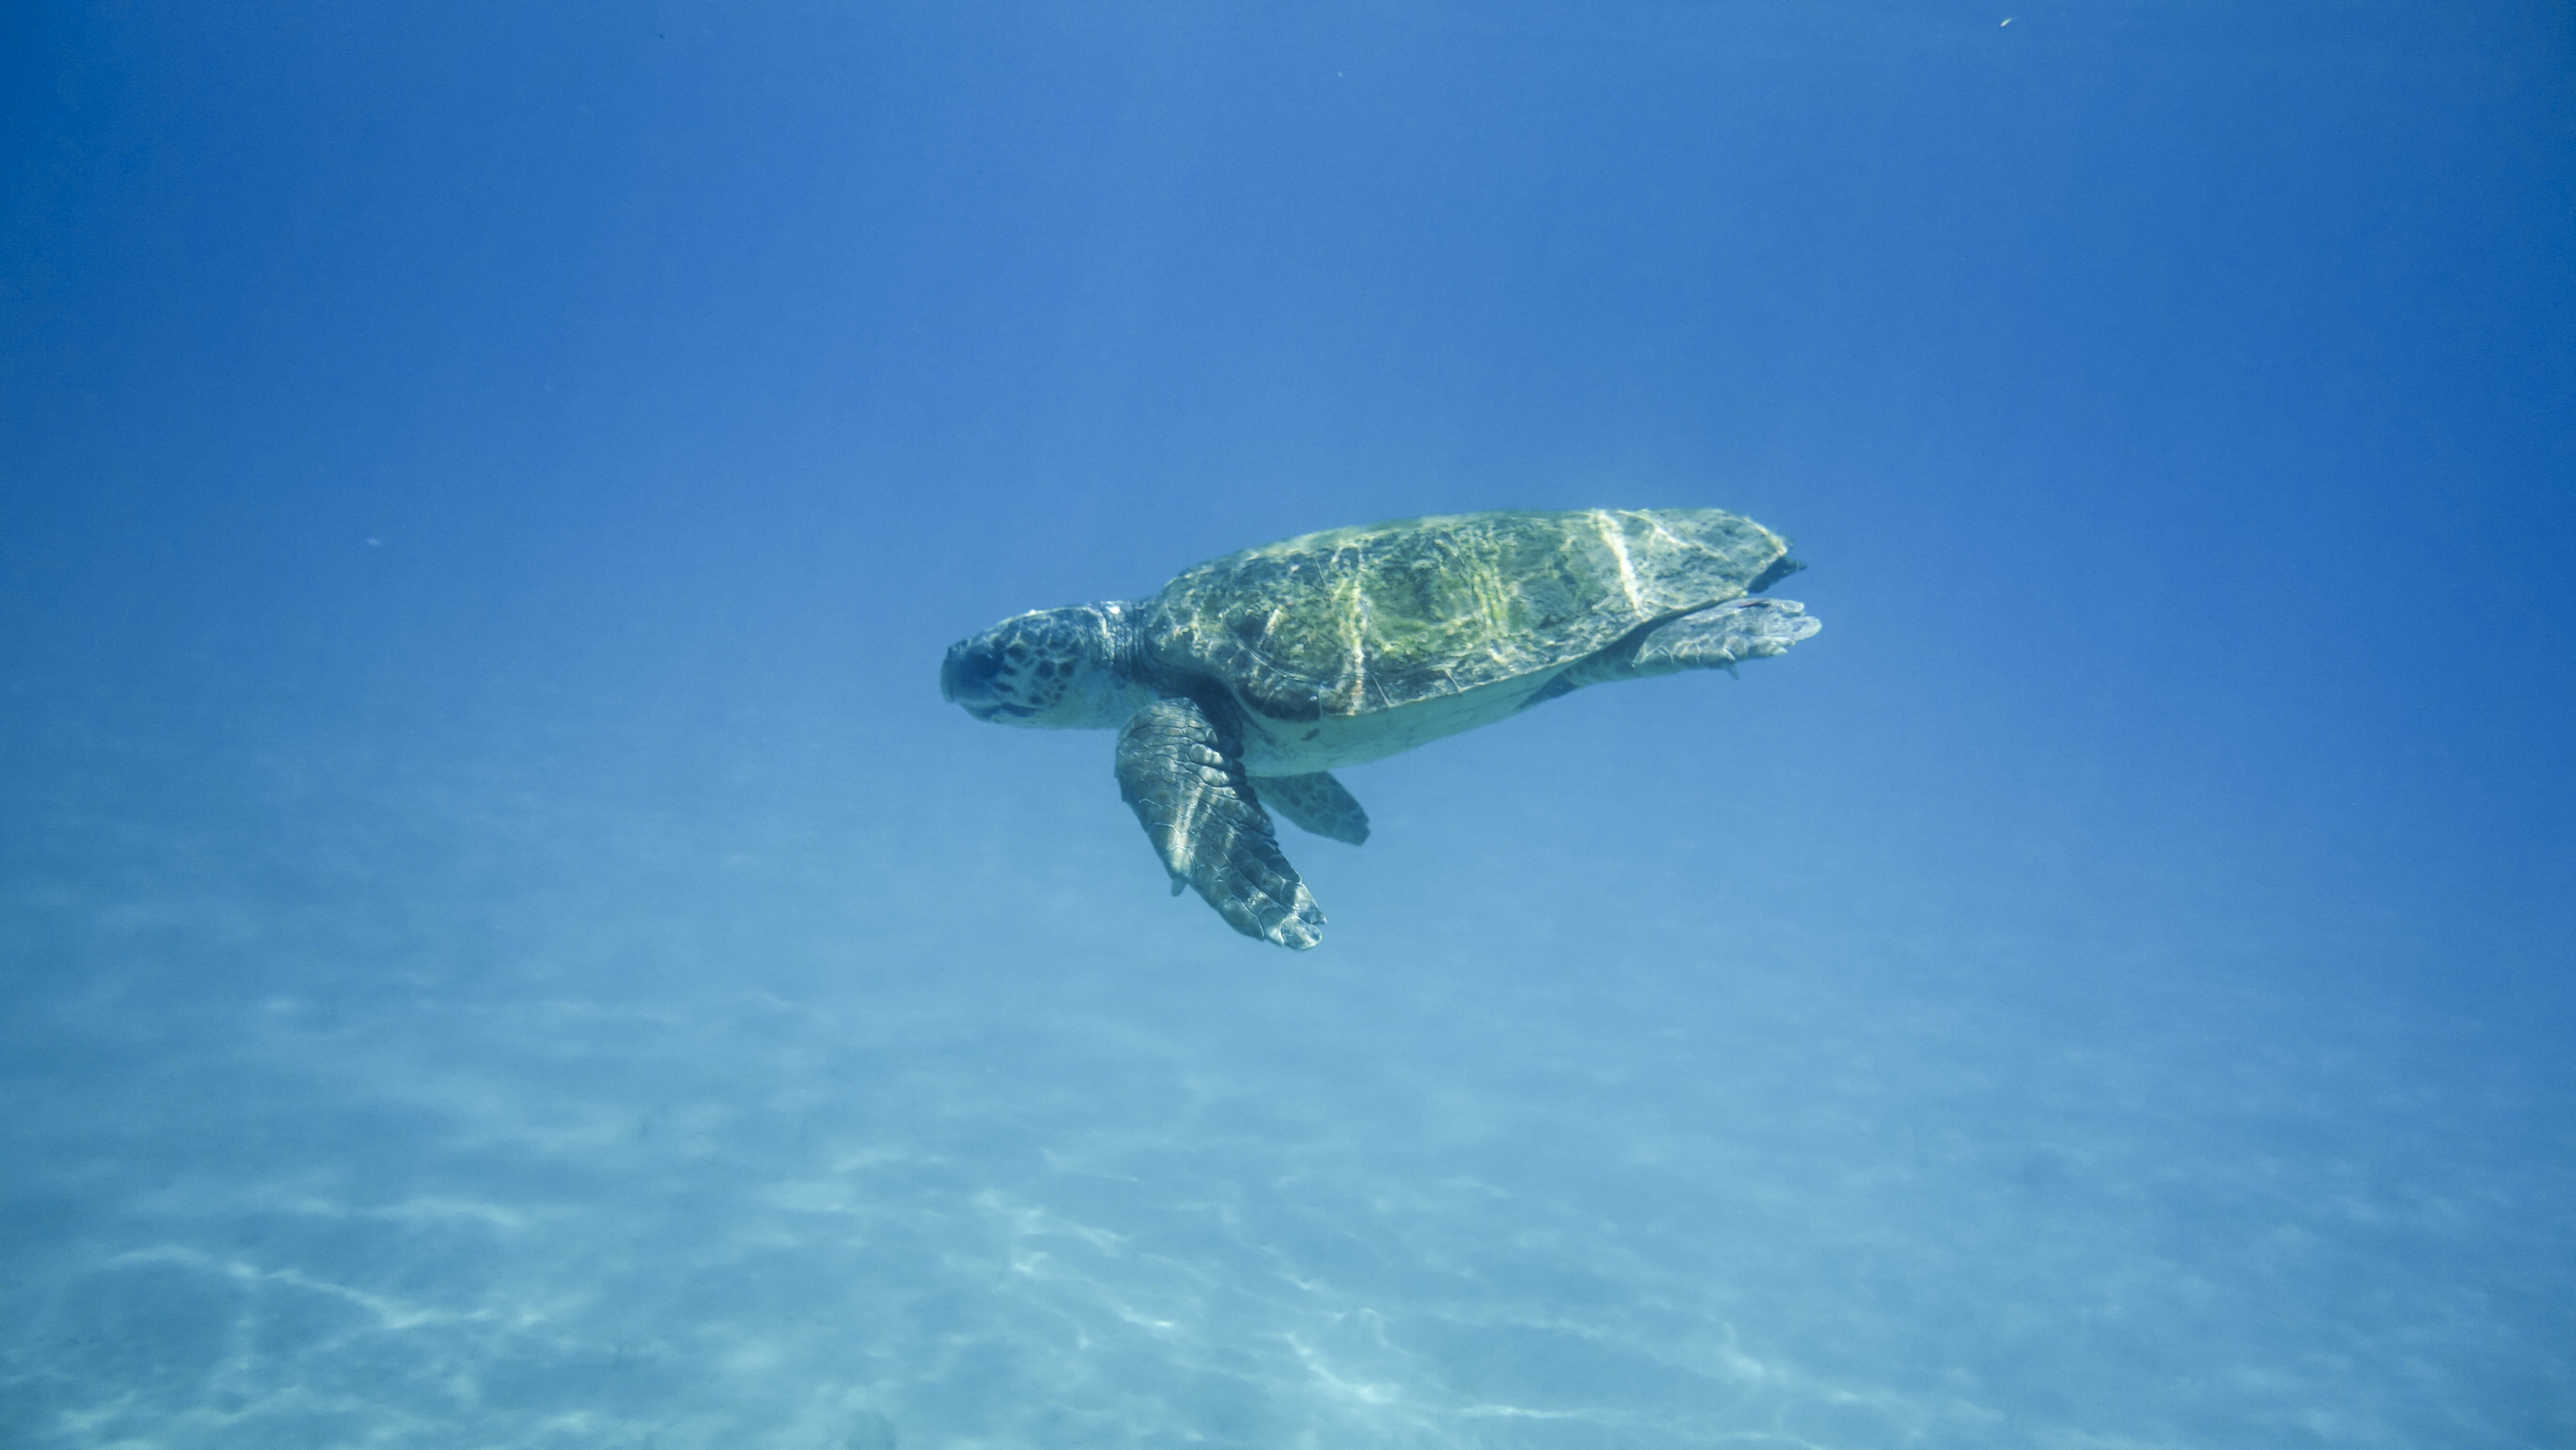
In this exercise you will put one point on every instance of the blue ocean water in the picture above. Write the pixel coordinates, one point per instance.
(504, 945)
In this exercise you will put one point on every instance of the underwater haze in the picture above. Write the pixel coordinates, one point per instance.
(503, 944)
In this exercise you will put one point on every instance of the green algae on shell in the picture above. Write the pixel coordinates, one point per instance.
(1357, 620)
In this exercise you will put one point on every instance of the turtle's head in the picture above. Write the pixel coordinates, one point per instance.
(1056, 668)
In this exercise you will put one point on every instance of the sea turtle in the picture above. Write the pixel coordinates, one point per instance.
(1249, 678)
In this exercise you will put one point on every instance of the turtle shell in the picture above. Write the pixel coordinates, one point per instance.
(1353, 621)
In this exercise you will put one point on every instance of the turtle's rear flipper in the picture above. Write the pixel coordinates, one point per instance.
(1718, 638)
(1316, 803)
(1724, 637)
(1187, 786)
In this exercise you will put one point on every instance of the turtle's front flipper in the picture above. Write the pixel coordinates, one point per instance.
(1186, 783)
(1316, 803)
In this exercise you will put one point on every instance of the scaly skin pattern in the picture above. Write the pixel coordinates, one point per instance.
(1354, 621)
(1316, 803)
(1183, 776)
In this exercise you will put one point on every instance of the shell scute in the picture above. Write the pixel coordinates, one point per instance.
(1357, 620)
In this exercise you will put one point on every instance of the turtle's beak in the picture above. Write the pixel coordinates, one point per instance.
(966, 680)
(966, 676)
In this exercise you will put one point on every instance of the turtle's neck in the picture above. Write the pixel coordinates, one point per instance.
(1128, 658)
(1129, 675)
